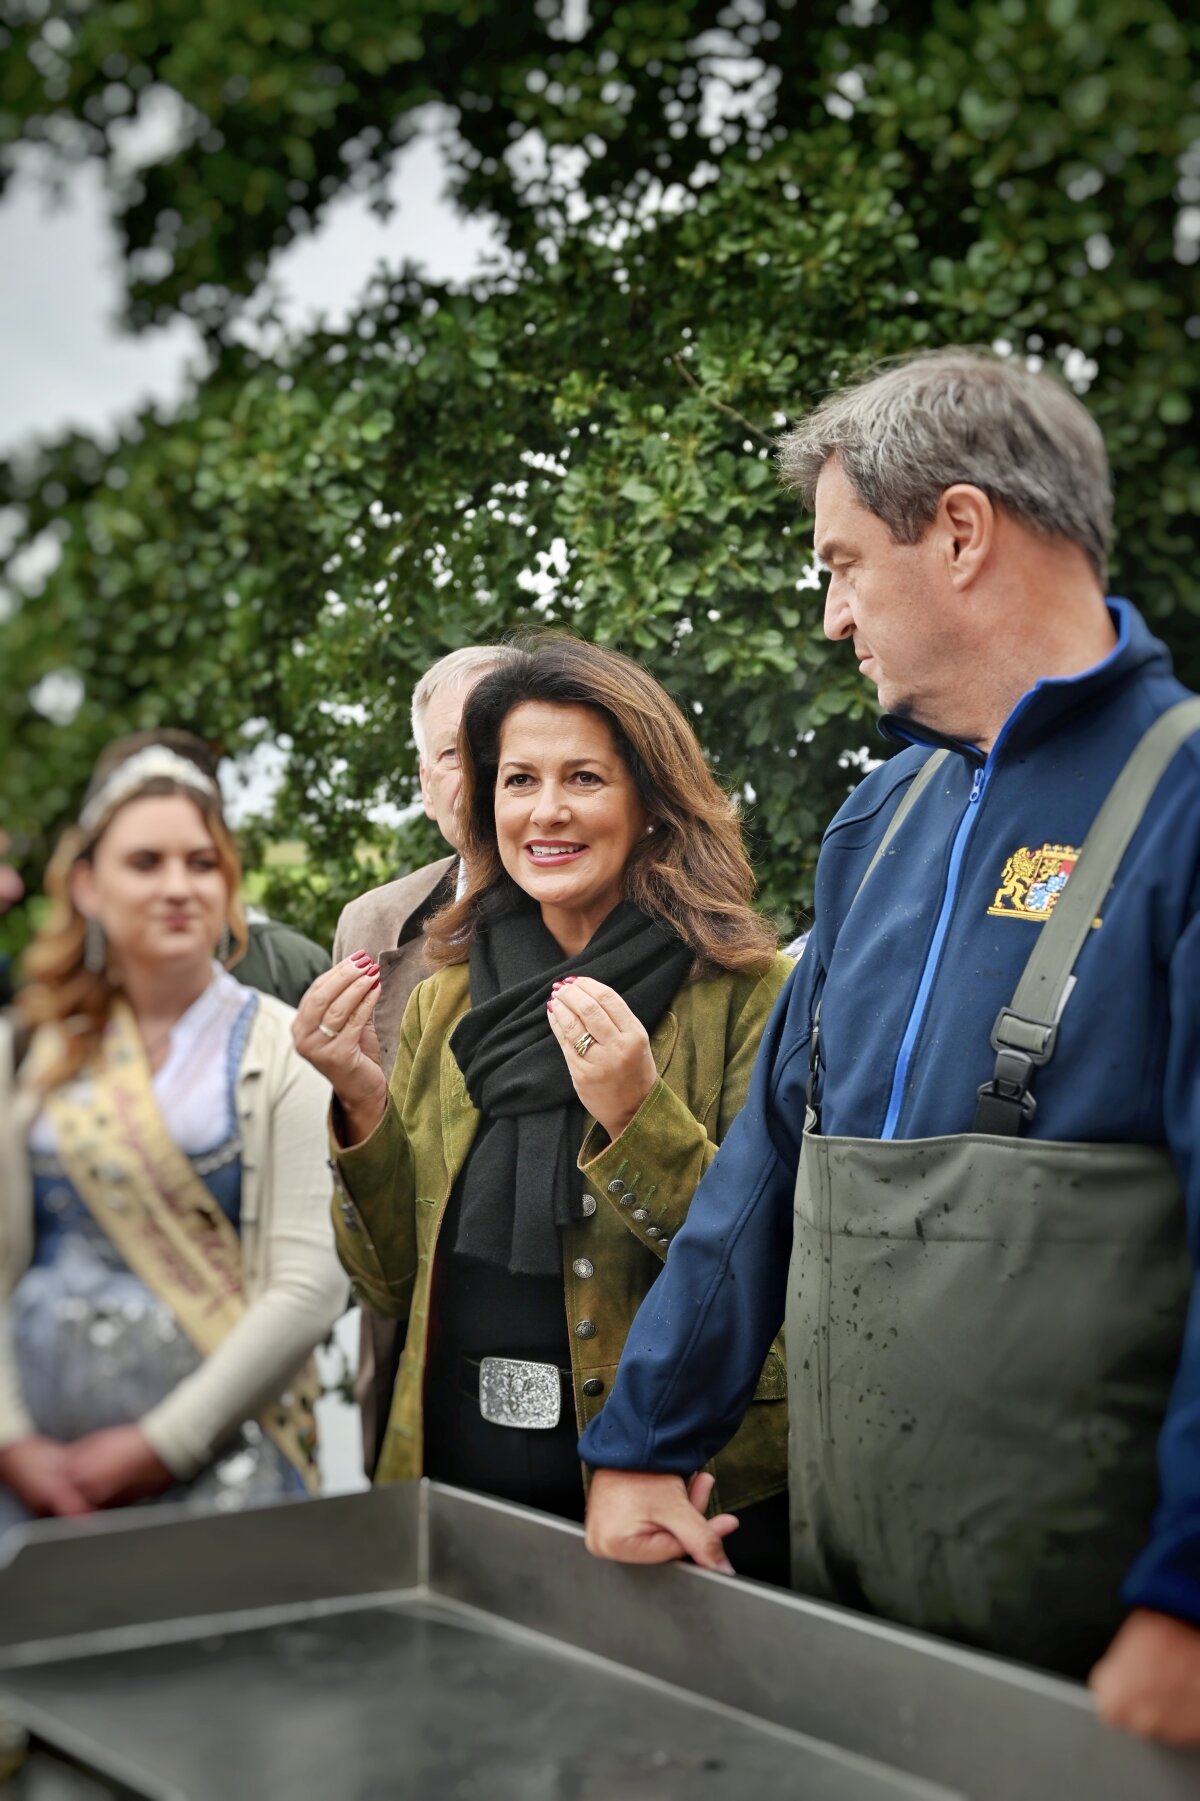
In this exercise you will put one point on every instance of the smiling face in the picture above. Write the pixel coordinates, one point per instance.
(567, 815)
(155, 884)
(891, 599)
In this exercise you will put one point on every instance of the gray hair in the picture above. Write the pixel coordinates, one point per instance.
(905, 435)
(458, 669)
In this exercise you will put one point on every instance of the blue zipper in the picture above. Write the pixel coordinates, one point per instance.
(965, 825)
(917, 1016)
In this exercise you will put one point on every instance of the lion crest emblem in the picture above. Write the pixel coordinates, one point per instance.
(1032, 881)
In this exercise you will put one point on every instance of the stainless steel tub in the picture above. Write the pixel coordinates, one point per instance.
(420, 1642)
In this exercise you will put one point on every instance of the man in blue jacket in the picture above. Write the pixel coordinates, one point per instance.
(985, 1246)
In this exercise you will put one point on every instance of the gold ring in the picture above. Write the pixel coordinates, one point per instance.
(584, 1044)
(321, 1027)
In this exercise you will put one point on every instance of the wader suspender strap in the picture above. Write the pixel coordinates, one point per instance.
(1025, 1033)
(919, 782)
(916, 788)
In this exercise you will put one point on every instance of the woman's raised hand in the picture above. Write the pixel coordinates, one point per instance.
(334, 1031)
(606, 1047)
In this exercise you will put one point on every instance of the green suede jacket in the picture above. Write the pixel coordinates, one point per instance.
(393, 1189)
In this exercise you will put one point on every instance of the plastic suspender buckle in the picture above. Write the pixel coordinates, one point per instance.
(1022, 1046)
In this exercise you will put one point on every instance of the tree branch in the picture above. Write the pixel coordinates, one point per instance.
(721, 406)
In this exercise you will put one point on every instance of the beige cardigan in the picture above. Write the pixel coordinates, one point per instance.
(293, 1286)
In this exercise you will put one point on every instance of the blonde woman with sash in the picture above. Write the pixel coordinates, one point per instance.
(166, 1261)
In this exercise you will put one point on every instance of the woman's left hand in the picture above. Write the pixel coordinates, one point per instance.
(117, 1465)
(615, 1072)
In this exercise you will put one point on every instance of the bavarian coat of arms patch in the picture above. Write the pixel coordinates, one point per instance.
(1032, 881)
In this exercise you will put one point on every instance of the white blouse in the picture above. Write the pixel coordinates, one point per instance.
(194, 1086)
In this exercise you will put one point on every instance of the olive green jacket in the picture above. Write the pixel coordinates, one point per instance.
(394, 1189)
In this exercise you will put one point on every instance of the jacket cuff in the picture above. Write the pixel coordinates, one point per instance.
(364, 1180)
(650, 1173)
(15, 1424)
(182, 1456)
(612, 1442)
(370, 1167)
(15, 1420)
(1166, 1578)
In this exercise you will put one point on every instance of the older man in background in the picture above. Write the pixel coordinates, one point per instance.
(388, 923)
(968, 1169)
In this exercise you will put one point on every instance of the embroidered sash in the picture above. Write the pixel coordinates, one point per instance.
(145, 1196)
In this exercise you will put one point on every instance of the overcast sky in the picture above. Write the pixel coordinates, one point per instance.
(63, 359)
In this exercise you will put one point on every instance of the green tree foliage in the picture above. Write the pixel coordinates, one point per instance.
(711, 215)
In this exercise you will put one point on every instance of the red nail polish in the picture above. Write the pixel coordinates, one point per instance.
(570, 978)
(374, 984)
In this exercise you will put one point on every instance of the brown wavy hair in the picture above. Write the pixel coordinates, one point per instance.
(59, 989)
(692, 873)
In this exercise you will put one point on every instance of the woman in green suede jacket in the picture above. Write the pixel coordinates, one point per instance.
(561, 1085)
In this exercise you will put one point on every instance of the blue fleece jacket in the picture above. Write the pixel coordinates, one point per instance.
(911, 979)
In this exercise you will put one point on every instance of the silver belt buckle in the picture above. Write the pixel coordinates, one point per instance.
(513, 1392)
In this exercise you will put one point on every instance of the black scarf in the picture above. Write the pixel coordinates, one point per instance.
(521, 1183)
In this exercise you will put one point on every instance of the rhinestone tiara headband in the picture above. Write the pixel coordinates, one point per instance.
(156, 760)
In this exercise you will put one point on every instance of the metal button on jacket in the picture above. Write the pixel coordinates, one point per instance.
(589, 1205)
(627, 1200)
(585, 1328)
(583, 1267)
(640, 1213)
(652, 1232)
(593, 1386)
(616, 1185)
